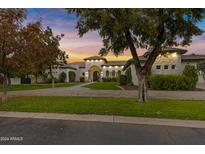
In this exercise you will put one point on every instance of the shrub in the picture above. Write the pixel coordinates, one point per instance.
(171, 82)
(107, 79)
(185, 83)
(49, 80)
(82, 79)
(25, 80)
(72, 76)
(62, 77)
(190, 71)
(123, 80)
(129, 75)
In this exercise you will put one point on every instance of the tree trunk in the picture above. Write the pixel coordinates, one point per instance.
(142, 89)
(9, 81)
(52, 78)
(4, 95)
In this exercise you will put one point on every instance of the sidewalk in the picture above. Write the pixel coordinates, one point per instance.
(106, 118)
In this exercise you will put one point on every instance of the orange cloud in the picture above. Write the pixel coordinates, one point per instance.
(79, 55)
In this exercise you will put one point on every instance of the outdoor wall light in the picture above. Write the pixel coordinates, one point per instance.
(174, 54)
(110, 66)
(116, 66)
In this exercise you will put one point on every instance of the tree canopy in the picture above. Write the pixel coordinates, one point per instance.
(130, 29)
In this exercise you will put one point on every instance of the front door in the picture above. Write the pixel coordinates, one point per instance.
(95, 76)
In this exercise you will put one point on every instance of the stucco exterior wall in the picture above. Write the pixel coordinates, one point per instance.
(111, 69)
(58, 71)
(15, 81)
(169, 60)
(89, 64)
(166, 60)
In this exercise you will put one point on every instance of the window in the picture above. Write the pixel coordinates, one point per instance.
(166, 67)
(107, 73)
(83, 74)
(173, 67)
(113, 73)
(158, 67)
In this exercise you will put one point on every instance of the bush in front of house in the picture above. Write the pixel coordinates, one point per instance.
(107, 79)
(190, 71)
(62, 77)
(163, 82)
(129, 76)
(186, 83)
(123, 80)
(82, 79)
(171, 82)
(49, 80)
(71, 76)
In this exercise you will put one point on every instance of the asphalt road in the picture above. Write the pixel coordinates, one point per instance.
(43, 131)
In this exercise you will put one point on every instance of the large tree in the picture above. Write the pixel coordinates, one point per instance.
(151, 29)
(54, 56)
(33, 49)
(10, 26)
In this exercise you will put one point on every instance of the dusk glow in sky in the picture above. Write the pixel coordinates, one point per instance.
(89, 45)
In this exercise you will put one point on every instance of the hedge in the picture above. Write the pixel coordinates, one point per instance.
(128, 73)
(109, 79)
(171, 82)
(82, 79)
(186, 81)
(123, 80)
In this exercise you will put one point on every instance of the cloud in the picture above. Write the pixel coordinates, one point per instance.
(78, 48)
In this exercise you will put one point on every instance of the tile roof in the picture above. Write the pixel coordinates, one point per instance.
(193, 57)
(115, 63)
(67, 66)
(80, 64)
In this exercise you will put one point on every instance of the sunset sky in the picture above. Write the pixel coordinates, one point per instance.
(90, 43)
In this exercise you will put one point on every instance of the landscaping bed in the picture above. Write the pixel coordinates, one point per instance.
(173, 109)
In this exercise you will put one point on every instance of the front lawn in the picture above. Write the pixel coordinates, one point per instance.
(38, 86)
(103, 86)
(175, 109)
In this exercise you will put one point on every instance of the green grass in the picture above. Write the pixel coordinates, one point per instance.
(103, 86)
(175, 109)
(38, 86)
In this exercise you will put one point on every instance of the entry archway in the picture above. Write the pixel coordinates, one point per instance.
(94, 73)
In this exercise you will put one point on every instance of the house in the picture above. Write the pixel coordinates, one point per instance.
(95, 68)
(172, 61)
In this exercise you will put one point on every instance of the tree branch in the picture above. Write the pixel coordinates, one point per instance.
(133, 51)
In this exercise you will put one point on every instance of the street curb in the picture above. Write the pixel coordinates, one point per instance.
(107, 118)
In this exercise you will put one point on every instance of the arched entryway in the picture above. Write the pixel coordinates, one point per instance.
(94, 73)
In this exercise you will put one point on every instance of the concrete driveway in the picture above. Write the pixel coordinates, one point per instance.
(44, 131)
(79, 90)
